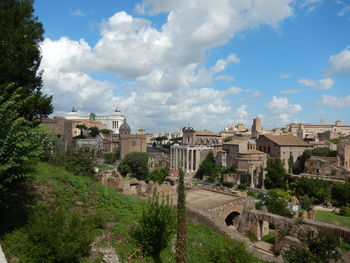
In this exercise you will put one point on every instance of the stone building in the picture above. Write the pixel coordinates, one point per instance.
(130, 142)
(61, 128)
(256, 127)
(344, 153)
(194, 148)
(94, 144)
(112, 121)
(226, 156)
(311, 131)
(325, 166)
(282, 147)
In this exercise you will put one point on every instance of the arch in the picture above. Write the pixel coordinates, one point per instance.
(231, 218)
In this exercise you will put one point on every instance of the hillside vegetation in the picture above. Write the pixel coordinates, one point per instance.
(70, 211)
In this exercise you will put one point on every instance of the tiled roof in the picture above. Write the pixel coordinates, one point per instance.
(236, 142)
(207, 133)
(252, 151)
(286, 140)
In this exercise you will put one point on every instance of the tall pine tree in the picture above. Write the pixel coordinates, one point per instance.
(20, 38)
(181, 248)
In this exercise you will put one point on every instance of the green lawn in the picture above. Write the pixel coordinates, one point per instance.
(330, 217)
(83, 194)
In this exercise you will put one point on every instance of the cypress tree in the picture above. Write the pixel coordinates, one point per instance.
(181, 248)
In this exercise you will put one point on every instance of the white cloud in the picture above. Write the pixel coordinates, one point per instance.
(78, 12)
(335, 102)
(311, 5)
(165, 66)
(285, 76)
(345, 8)
(240, 115)
(322, 84)
(281, 111)
(340, 62)
(290, 91)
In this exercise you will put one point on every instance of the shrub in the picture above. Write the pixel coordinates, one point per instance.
(57, 235)
(241, 187)
(156, 226)
(158, 175)
(135, 164)
(344, 211)
(227, 184)
(110, 158)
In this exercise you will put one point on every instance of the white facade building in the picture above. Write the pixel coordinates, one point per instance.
(112, 121)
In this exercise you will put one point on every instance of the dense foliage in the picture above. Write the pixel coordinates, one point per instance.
(341, 194)
(20, 37)
(158, 175)
(110, 158)
(135, 164)
(318, 190)
(319, 249)
(155, 228)
(207, 168)
(181, 247)
(276, 176)
(20, 142)
(276, 202)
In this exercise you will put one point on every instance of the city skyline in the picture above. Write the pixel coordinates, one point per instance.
(204, 64)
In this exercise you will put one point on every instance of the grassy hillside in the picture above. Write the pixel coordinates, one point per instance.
(104, 212)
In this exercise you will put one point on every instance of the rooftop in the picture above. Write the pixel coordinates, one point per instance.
(207, 133)
(286, 140)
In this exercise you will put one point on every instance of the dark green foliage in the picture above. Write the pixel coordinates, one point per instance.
(207, 168)
(276, 202)
(227, 184)
(82, 129)
(156, 225)
(232, 252)
(341, 193)
(344, 211)
(242, 187)
(276, 176)
(181, 247)
(158, 175)
(106, 131)
(110, 158)
(334, 140)
(20, 143)
(305, 202)
(320, 249)
(94, 131)
(135, 164)
(78, 161)
(318, 190)
(57, 235)
(290, 163)
(176, 140)
(228, 139)
(20, 37)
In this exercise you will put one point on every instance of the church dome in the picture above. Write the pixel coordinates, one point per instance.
(124, 128)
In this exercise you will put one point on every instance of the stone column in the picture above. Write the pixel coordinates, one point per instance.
(263, 180)
(176, 158)
(251, 177)
(192, 161)
(187, 159)
(183, 160)
(171, 157)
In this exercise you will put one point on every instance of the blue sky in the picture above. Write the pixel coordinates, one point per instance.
(202, 63)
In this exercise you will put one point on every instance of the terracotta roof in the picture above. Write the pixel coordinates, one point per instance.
(286, 140)
(252, 151)
(236, 142)
(207, 133)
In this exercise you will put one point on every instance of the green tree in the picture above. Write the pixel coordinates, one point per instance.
(341, 193)
(94, 131)
(207, 168)
(20, 142)
(318, 190)
(276, 176)
(228, 139)
(156, 225)
(80, 161)
(277, 201)
(135, 164)
(181, 248)
(20, 38)
(158, 175)
(106, 131)
(82, 128)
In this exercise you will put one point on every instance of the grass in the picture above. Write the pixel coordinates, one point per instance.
(331, 217)
(82, 194)
(269, 238)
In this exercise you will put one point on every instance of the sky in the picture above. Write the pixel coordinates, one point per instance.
(199, 63)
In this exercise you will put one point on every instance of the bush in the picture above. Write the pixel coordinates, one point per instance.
(227, 184)
(156, 226)
(57, 235)
(241, 187)
(110, 158)
(344, 211)
(158, 175)
(135, 164)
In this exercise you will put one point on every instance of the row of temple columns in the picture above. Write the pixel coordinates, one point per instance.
(184, 158)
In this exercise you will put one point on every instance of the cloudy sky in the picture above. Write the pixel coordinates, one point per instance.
(203, 63)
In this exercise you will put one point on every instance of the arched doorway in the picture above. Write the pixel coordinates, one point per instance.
(232, 218)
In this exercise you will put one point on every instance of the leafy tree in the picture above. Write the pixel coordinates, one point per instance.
(136, 164)
(207, 168)
(106, 131)
(320, 249)
(276, 202)
(79, 161)
(156, 225)
(20, 38)
(82, 128)
(305, 202)
(181, 248)
(228, 139)
(20, 142)
(110, 158)
(176, 140)
(276, 176)
(158, 175)
(318, 190)
(341, 193)
(94, 131)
